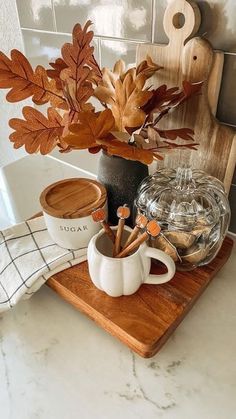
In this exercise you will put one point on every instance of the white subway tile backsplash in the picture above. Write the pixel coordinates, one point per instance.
(42, 47)
(113, 50)
(218, 23)
(129, 19)
(36, 14)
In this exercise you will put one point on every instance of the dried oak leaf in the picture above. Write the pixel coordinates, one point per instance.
(164, 99)
(128, 102)
(76, 104)
(80, 37)
(142, 72)
(55, 72)
(105, 92)
(17, 74)
(129, 152)
(160, 96)
(78, 93)
(168, 145)
(173, 134)
(36, 132)
(148, 67)
(82, 66)
(90, 128)
(76, 56)
(156, 143)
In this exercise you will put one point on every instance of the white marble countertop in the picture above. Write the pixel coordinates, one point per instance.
(55, 363)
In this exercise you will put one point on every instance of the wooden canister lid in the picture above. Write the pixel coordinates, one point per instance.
(73, 198)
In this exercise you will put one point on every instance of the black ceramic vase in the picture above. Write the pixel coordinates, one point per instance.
(121, 178)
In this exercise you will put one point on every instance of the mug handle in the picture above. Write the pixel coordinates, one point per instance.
(168, 262)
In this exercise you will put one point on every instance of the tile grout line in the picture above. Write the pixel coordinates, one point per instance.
(54, 16)
(153, 21)
(227, 124)
(109, 38)
(228, 53)
(99, 52)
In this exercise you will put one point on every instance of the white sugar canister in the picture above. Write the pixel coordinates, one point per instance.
(67, 206)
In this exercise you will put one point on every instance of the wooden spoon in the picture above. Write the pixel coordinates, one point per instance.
(141, 222)
(99, 216)
(123, 213)
(152, 229)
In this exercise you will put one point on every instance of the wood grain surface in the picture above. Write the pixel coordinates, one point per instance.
(193, 60)
(73, 198)
(145, 320)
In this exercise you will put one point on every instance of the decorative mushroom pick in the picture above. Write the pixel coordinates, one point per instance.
(99, 216)
(141, 222)
(123, 213)
(152, 229)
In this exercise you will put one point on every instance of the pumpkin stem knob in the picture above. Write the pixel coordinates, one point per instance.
(183, 178)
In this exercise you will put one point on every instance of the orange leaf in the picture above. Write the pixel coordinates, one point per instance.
(147, 68)
(128, 102)
(54, 73)
(82, 66)
(191, 89)
(106, 90)
(17, 74)
(36, 132)
(90, 128)
(129, 152)
(94, 150)
(173, 134)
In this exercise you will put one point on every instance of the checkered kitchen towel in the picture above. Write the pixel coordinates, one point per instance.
(28, 257)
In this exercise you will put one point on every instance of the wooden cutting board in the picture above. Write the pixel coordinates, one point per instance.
(194, 60)
(145, 320)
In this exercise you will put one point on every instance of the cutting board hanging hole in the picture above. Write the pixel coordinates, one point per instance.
(181, 20)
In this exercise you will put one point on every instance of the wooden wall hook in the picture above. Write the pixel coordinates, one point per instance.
(182, 19)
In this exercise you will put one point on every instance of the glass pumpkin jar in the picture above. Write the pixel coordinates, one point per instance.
(193, 211)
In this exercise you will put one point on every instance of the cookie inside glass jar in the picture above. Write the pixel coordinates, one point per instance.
(193, 211)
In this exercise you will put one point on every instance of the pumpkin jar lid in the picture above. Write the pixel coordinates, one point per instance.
(73, 198)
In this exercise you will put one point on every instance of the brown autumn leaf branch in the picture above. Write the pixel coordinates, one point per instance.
(17, 75)
(55, 72)
(37, 132)
(128, 101)
(128, 129)
(89, 129)
(105, 91)
(81, 64)
(163, 99)
(129, 152)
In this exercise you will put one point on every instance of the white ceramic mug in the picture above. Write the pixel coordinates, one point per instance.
(123, 276)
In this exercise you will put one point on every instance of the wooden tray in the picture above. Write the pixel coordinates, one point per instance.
(145, 320)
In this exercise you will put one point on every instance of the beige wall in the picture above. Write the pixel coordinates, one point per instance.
(10, 37)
